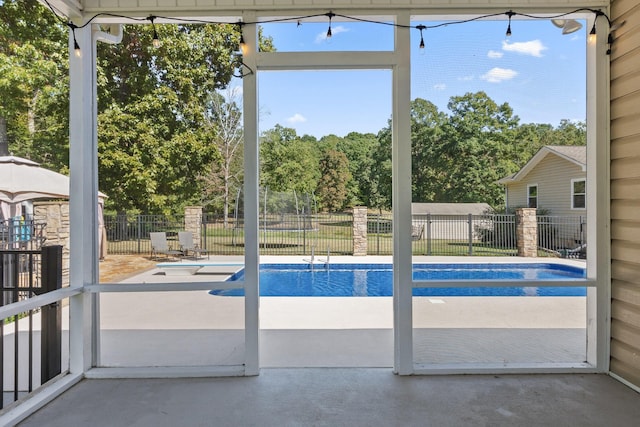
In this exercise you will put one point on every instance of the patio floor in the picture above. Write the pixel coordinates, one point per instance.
(327, 361)
(346, 397)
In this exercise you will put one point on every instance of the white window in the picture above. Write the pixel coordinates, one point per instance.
(532, 196)
(578, 193)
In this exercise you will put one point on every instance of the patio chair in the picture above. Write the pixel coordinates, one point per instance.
(186, 244)
(159, 245)
(416, 232)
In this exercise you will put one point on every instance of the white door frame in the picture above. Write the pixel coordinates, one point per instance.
(399, 62)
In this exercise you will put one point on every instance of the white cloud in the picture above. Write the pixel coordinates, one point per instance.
(533, 47)
(297, 118)
(440, 86)
(466, 78)
(494, 54)
(497, 75)
(334, 30)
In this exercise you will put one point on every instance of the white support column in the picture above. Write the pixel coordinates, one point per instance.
(401, 175)
(251, 202)
(83, 202)
(598, 200)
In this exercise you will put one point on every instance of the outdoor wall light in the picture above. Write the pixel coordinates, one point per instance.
(568, 25)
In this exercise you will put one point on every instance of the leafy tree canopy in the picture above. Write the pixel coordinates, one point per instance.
(33, 80)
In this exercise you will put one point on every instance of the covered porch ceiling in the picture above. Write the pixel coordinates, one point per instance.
(200, 8)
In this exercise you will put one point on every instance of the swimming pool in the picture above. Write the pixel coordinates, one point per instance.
(376, 279)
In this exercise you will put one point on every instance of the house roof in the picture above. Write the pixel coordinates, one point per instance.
(449, 208)
(576, 154)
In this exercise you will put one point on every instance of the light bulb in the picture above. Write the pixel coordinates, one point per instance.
(510, 14)
(330, 15)
(76, 49)
(243, 45)
(592, 34)
(421, 46)
(155, 41)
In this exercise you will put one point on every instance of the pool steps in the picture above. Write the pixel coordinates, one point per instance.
(313, 259)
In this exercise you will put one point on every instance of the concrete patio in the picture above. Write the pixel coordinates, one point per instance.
(203, 329)
(327, 361)
(346, 397)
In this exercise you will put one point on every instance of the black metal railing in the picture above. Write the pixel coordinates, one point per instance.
(129, 234)
(470, 235)
(564, 236)
(290, 234)
(25, 274)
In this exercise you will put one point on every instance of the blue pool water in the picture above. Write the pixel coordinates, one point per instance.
(376, 279)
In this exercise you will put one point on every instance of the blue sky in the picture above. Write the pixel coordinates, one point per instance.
(538, 71)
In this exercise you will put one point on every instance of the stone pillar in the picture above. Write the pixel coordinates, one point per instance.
(193, 222)
(56, 232)
(527, 232)
(360, 230)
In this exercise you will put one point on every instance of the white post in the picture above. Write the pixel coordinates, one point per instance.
(598, 201)
(251, 202)
(83, 201)
(401, 176)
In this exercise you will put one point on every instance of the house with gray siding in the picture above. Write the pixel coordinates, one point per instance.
(554, 182)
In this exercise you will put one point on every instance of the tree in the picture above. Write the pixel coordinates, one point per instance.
(478, 149)
(150, 163)
(33, 70)
(570, 133)
(223, 117)
(332, 187)
(358, 148)
(380, 186)
(161, 99)
(427, 132)
(288, 163)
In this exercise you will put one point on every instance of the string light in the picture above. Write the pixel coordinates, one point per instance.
(509, 14)
(155, 40)
(330, 15)
(421, 28)
(299, 19)
(76, 46)
(592, 34)
(242, 44)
